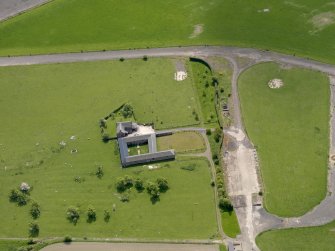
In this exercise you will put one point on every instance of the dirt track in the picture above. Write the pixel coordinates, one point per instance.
(96, 246)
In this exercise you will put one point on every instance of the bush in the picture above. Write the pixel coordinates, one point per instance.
(107, 215)
(219, 182)
(145, 58)
(153, 190)
(162, 184)
(222, 193)
(217, 162)
(34, 229)
(100, 172)
(35, 210)
(72, 214)
(225, 205)
(91, 214)
(121, 59)
(138, 183)
(67, 239)
(208, 132)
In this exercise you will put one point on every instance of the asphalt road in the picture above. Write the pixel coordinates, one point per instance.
(200, 51)
(10, 8)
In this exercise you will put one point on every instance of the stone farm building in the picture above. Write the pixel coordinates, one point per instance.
(132, 134)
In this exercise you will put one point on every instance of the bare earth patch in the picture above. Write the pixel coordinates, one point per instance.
(198, 29)
(322, 21)
(275, 83)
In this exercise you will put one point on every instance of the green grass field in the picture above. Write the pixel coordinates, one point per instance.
(290, 129)
(44, 105)
(230, 224)
(304, 239)
(182, 142)
(113, 25)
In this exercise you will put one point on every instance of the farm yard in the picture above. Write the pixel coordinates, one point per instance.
(248, 149)
(307, 239)
(50, 139)
(268, 25)
(289, 128)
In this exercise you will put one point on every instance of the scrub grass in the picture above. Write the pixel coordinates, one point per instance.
(290, 130)
(307, 239)
(270, 24)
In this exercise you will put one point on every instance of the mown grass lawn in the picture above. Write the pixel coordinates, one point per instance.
(290, 129)
(44, 105)
(264, 24)
(182, 142)
(306, 239)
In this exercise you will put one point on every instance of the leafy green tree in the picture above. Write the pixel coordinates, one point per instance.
(100, 172)
(72, 214)
(138, 183)
(18, 197)
(127, 111)
(35, 210)
(153, 189)
(225, 205)
(34, 229)
(91, 214)
(124, 183)
(162, 184)
(107, 215)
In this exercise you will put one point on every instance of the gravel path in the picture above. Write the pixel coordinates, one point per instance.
(98, 246)
(10, 8)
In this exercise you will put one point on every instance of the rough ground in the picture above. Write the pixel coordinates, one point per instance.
(14, 7)
(100, 246)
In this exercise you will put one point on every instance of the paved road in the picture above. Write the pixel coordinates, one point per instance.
(10, 8)
(229, 52)
(98, 246)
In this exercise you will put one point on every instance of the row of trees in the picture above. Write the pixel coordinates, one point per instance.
(73, 214)
(154, 189)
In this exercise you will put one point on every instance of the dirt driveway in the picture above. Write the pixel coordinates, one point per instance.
(96, 246)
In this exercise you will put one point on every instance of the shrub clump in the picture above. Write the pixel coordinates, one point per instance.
(91, 214)
(19, 197)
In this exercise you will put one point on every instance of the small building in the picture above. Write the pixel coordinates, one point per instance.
(130, 134)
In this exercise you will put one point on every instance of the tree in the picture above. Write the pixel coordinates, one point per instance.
(91, 214)
(153, 190)
(72, 214)
(103, 123)
(225, 205)
(35, 210)
(124, 183)
(34, 229)
(19, 197)
(107, 215)
(100, 172)
(127, 111)
(138, 183)
(162, 184)
(217, 135)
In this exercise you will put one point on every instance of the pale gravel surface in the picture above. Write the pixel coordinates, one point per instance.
(96, 246)
(10, 8)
